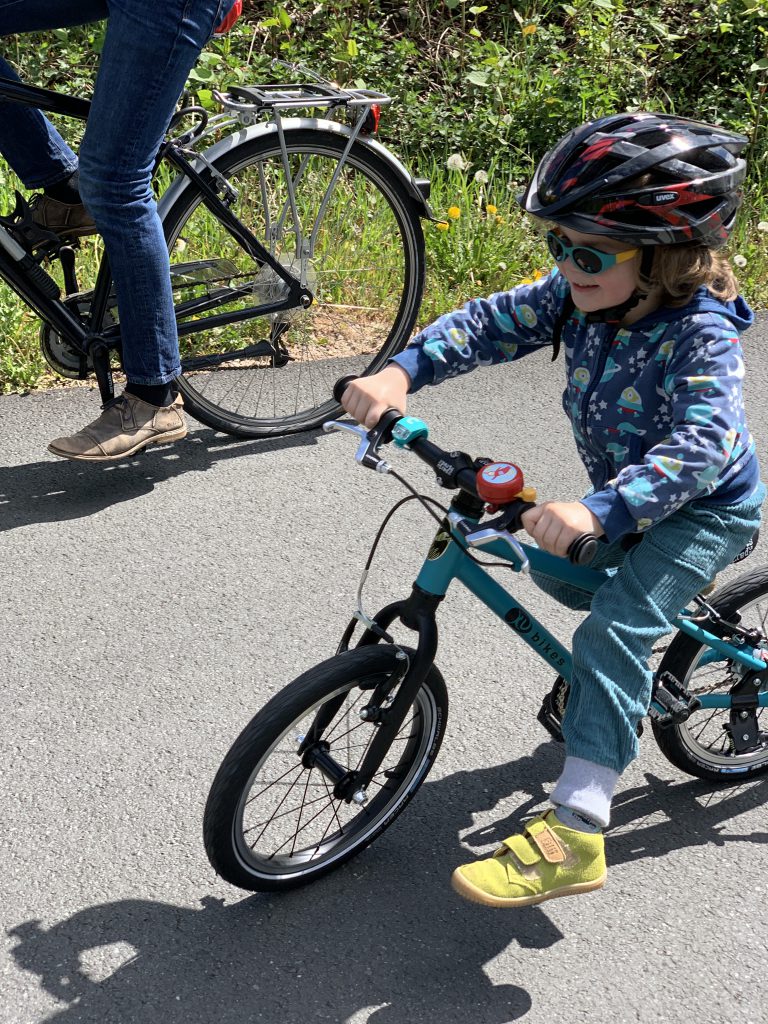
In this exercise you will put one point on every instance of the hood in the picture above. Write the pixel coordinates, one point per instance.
(738, 312)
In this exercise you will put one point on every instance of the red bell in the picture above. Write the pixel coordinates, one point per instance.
(499, 482)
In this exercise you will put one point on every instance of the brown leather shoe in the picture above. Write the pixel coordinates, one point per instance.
(67, 220)
(125, 426)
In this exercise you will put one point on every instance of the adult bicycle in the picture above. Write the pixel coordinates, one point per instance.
(333, 758)
(296, 246)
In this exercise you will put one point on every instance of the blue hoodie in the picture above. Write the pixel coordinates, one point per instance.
(656, 408)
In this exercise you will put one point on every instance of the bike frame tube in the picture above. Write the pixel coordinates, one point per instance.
(450, 562)
(44, 99)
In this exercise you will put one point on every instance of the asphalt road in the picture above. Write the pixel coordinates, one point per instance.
(148, 610)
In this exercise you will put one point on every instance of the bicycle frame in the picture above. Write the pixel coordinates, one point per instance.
(447, 561)
(88, 336)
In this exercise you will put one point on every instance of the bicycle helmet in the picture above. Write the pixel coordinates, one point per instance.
(648, 179)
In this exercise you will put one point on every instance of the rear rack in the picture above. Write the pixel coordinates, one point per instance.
(256, 98)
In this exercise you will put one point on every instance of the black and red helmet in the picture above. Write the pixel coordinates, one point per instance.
(650, 179)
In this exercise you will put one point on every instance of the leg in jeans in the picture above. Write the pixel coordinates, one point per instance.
(28, 141)
(148, 52)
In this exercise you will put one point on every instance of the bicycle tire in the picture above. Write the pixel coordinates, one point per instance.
(336, 831)
(365, 308)
(701, 746)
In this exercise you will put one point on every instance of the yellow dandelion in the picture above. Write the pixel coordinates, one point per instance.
(537, 275)
(454, 212)
(442, 225)
(491, 210)
(529, 30)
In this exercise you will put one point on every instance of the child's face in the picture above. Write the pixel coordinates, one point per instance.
(608, 288)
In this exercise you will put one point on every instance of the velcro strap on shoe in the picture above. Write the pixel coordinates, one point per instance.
(551, 848)
(522, 850)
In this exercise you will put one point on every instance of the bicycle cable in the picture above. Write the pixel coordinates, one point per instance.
(423, 499)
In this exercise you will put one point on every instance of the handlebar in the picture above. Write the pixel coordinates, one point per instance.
(454, 470)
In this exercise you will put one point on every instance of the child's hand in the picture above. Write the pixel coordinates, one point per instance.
(367, 398)
(554, 525)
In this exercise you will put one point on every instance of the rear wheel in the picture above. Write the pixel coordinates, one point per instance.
(712, 744)
(361, 257)
(271, 821)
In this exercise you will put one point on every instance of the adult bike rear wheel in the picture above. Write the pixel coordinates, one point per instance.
(704, 745)
(362, 257)
(271, 822)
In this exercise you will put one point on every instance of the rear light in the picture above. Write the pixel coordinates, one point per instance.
(372, 118)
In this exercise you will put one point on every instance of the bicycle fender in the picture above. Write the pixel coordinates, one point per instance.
(418, 189)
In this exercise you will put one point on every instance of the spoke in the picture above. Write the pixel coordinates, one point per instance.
(258, 837)
(297, 767)
(321, 840)
(301, 811)
(704, 726)
(296, 834)
(283, 814)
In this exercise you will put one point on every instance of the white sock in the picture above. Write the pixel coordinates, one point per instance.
(586, 787)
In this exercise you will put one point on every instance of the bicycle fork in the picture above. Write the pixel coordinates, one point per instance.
(416, 612)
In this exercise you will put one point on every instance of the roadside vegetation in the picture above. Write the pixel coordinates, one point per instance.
(479, 92)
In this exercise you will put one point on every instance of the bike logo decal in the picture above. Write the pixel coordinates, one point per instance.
(440, 543)
(520, 621)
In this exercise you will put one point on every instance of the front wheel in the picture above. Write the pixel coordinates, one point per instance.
(349, 231)
(271, 821)
(704, 745)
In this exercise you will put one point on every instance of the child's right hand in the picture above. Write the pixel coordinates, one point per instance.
(367, 398)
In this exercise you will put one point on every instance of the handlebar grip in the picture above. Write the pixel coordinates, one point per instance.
(341, 385)
(583, 549)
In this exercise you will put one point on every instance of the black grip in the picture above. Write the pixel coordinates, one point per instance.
(341, 385)
(583, 549)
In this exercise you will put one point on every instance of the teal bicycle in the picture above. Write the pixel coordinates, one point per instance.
(331, 760)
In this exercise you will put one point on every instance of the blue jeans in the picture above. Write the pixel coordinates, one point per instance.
(611, 684)
(149, 49)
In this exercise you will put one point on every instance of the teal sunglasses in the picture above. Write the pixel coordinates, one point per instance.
(587, 259)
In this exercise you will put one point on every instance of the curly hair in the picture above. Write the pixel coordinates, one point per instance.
(679, 270)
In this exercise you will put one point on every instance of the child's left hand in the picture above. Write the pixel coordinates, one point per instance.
(554, 525)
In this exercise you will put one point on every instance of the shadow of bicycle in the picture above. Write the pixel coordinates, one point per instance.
(49, 492)
(383, 940)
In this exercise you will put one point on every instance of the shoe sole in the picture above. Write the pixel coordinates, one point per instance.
(471, 892)
(167, 438)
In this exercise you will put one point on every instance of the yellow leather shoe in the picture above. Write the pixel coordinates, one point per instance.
(548, 860)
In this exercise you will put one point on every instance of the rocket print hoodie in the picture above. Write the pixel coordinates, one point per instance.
(656, 408)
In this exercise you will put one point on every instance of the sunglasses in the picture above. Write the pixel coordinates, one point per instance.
(587, 259)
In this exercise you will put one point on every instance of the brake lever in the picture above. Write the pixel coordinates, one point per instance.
(366, 453)
(478, 538)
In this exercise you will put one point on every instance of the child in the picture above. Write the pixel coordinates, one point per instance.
(649, 314)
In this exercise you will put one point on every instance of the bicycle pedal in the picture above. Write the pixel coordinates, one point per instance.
(553, 708)
(550, 722)
(670, 704)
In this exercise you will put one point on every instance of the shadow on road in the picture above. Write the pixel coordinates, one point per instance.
(56, 491)
(383, 939)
